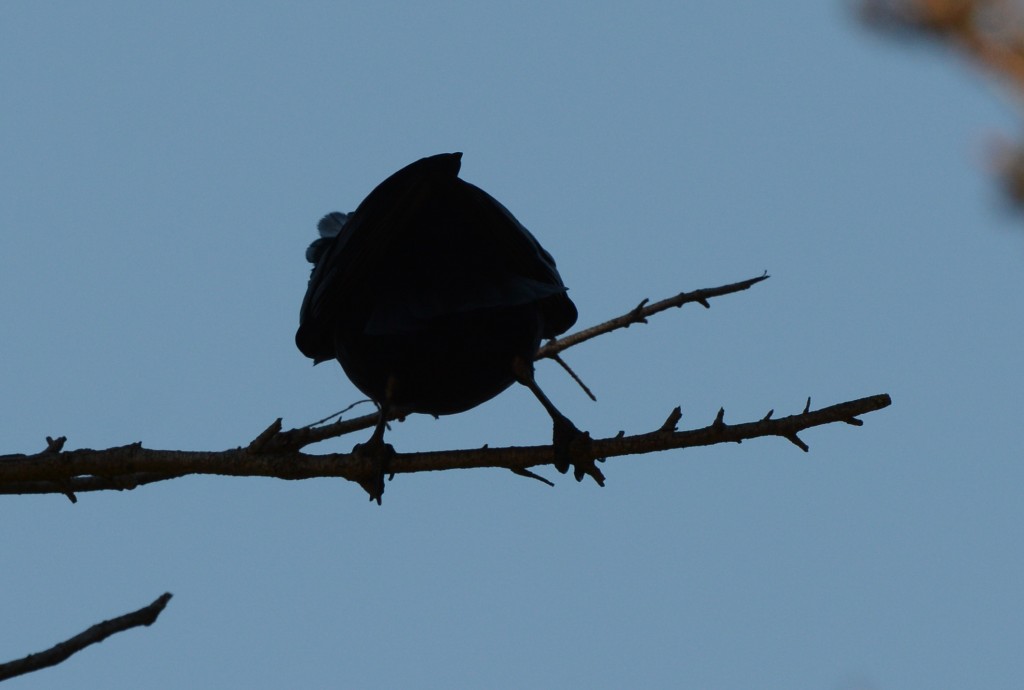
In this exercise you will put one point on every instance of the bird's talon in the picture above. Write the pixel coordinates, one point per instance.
(572, 449)
(378, 454)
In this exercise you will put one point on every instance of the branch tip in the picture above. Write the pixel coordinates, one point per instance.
(640, 313)
(807, 407)
(719, 418)
(55, 445)
(768, 416)
(145, 616)
(156, 608)
(575, 377)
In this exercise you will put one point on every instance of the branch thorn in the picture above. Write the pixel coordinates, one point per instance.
(719, 418)
(637, 315)
(261, 441)
(673, 418)
(523, 472)
(795, 440)
(575, 378)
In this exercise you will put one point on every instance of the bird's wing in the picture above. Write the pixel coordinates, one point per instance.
(474, 252)
(364, 242)
(524, 257)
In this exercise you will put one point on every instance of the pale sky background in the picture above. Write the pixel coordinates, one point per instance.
(162, 169)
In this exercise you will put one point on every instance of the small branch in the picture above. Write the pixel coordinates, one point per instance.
(97, 633)
(277, 453)
(296, 439)
(575, 377)
(276, 440)
(531, 475)
(133, 465)
(640, 313)
(670, 423)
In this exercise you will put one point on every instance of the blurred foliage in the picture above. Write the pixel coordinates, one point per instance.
(990, 33)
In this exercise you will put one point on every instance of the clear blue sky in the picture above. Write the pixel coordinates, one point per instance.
(162, 169)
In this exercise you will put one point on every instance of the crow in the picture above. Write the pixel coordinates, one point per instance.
(434, 299)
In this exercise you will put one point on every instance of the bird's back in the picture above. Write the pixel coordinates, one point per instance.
(434, 299)
(423, 246)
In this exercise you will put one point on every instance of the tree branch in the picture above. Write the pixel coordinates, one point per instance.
(640, 312)
(313, 433)
(97, 633)
(132, 465)
(278, 453)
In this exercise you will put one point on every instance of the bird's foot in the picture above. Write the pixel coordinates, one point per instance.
(572, 447)
(376, 456)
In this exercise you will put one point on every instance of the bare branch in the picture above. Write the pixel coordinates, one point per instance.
(575, 377)
(640, 313)
(531, 475)
(147, 615)
(277, 453)
(296, 439)
(132, 465)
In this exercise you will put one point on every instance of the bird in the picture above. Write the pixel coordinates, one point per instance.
(434, 299)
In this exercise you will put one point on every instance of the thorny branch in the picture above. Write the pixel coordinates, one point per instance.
(147, 615)
(126, 467)
(640, 312)
(307, 435)
(278, 453)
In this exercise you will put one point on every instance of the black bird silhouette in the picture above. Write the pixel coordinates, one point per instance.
(434, 299)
